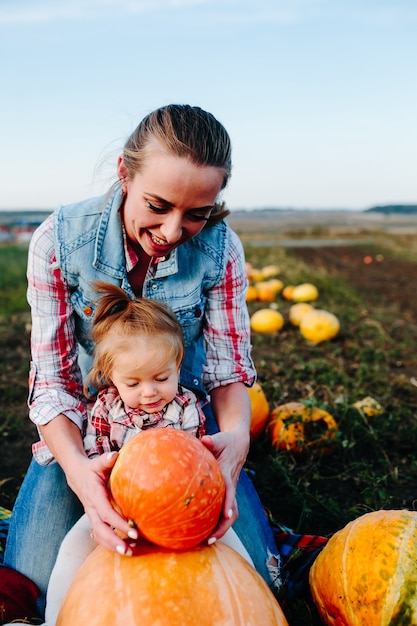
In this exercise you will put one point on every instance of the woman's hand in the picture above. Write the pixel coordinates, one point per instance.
(88, 479)
(109, 529)
(230, 450)
(232, 409)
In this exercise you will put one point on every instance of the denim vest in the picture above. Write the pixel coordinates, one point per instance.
(89, 247)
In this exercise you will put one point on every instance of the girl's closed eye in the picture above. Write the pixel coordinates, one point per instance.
(161, 379)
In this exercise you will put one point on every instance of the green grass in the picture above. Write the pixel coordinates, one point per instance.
(13, 282)
(373, 461)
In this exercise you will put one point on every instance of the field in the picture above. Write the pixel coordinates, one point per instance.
(374, 462)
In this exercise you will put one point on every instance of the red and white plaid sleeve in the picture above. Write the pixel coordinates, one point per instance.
(227, 331)
(55, 378)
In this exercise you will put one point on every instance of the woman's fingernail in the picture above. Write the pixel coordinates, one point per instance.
(211, 541)
(229, 513)
(133, 534)
(120, 549)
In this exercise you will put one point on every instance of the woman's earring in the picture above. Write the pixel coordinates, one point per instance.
(124, 185)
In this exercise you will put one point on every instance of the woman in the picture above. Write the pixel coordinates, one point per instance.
(159, 233)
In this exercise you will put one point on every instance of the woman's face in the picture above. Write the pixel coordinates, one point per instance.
(169, 201)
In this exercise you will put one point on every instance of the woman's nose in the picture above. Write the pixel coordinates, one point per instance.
(171, 228)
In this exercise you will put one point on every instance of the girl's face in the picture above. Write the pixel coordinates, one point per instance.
(169, 201)
(145, 377)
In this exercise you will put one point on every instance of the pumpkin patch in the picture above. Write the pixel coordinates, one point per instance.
(170, 485)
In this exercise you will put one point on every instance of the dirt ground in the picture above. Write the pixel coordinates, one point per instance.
(390, 280)
(394, 280)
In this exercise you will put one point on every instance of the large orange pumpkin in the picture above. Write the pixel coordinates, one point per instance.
(208, 586)
(299, 428)
(170, 485)
(367, 572)
(259, 410)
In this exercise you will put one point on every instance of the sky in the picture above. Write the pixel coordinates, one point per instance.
(319, 96)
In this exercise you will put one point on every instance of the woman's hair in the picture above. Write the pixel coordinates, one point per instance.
(117, 319)
(184, 131)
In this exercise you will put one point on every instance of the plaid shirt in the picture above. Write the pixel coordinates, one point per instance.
(112, 423)
(55, 382)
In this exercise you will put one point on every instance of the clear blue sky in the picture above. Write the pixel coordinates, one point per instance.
(319, 96)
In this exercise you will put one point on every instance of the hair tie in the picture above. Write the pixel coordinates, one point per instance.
(118, 307)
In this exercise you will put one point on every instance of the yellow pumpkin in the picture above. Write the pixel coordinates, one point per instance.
(366, 574)
(208, 586)
(270, 271)
(276, 284)
(255, 275)
(319, 325)
(298, 428)
(259, 410)
(305, 292)
(266, 321)
(297, 312)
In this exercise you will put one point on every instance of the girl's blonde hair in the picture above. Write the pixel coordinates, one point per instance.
(187, 132)
(117, 319)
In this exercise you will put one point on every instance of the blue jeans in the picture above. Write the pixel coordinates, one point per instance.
(252, 526)
(46, 509)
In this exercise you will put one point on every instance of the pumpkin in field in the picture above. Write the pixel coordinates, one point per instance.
(319, 325)
(297, 312)
(305, 292)
(251, 293)
(266, 291)
(170, 485)
(287, 292)
(298, 428)
(266, 321)
(273, 283)
(367, 572)
(255, 275)
(208, 586)
(270, 271)
(259, 410)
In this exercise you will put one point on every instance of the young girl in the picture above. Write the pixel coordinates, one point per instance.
(139, 349)
(138, 355)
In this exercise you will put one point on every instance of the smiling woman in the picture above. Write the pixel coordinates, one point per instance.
(158, 234)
